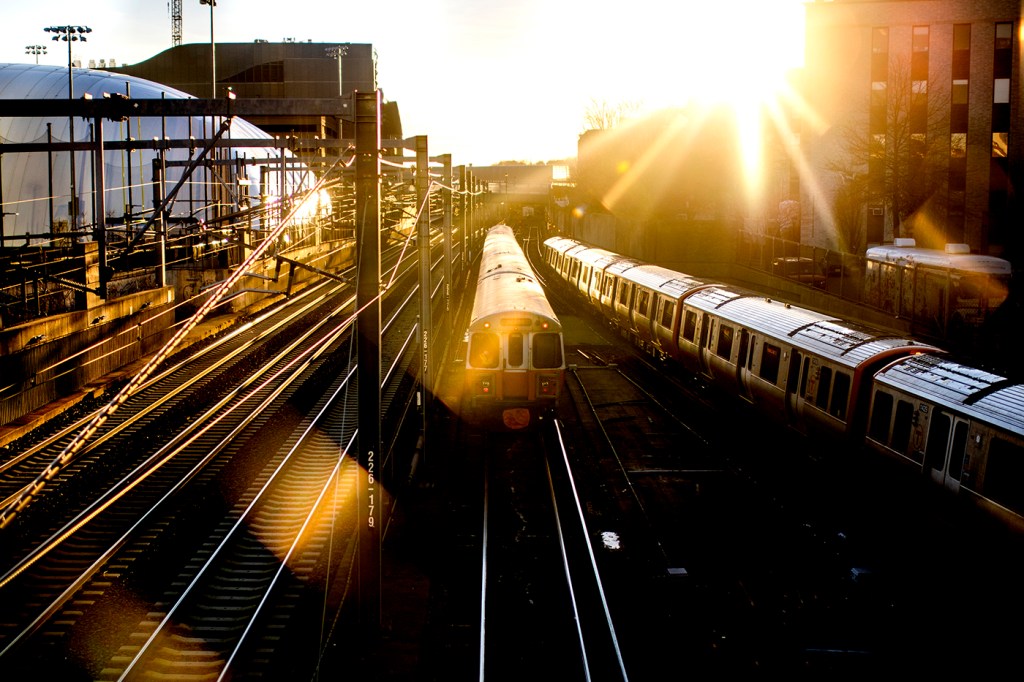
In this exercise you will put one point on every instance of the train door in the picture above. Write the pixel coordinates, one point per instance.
(793, 384)
(515, 377)
(702, 347)
(742, 363)
(944, 451)
(622, 308)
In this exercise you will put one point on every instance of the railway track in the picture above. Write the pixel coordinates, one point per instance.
(745, 548)
(543, 610)
(206, 529)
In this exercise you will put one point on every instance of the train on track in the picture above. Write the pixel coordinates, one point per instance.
(515, 358)
(961, 426)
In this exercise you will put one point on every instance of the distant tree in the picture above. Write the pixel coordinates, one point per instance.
(789, 219)
(848, 210)
(904, 150)
(600, 115)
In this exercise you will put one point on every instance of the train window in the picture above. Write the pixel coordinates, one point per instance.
(769, 370)
(1004, 474)
(547, 351)
(515, 349)
(642, 300)
(668, 311)
(624, 295)
(724, 347)
(881, 416)
(824, 384)
(690, 326)
(840, 395)
(643, 303)
(901, 427)
(609, 283)
(705, 331)
(483, 350)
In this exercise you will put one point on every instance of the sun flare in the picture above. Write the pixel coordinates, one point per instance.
(736, 54)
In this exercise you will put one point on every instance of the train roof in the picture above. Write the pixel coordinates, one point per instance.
(561, 244)
(506, 282)
(951, 259)
(842, 341)
(662, 280)
(594, 256)
(967, 390)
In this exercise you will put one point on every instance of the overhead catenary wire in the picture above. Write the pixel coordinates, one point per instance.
(78, 442)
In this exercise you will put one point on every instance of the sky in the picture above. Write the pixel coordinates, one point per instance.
(485, 81)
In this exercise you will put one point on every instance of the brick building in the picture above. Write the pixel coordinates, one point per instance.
(918, 129)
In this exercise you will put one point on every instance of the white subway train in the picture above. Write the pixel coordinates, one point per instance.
(958, 425)
(515, 360)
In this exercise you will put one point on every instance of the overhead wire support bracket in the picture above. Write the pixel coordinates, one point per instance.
(225, 124)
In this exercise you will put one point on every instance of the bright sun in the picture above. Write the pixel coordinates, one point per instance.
(736, 53)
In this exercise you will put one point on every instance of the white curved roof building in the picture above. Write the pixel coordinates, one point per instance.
(27, 183)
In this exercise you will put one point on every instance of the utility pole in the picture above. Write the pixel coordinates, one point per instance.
(213, 50)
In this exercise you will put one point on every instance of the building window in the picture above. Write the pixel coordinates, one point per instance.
(920, 39)
(961, 51)
(878, 106)
(958, 161)
(958, 108)
(1001, 104)
(918, 145)
(879, 53)
(919, 106)
(1000, 144)
(958, 146)
(919, 54)
(1002, 65)
(876, 157)
(1004, 35)
(1001, 91)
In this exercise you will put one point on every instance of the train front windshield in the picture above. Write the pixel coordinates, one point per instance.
(547, 351)
(484, 350)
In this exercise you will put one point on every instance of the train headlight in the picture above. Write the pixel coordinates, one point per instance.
(484, 385)
(547, 385)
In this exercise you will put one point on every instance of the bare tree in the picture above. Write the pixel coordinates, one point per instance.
(848, 210)
(904, 150)
(600, 115)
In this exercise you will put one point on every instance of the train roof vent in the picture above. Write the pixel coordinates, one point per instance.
(958, 248)
(906, 242)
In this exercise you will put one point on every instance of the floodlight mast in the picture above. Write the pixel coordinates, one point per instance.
(70, 34)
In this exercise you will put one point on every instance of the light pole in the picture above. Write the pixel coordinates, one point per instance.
(70, 34)
(338, 52)
(213, 50)
(36, 50)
